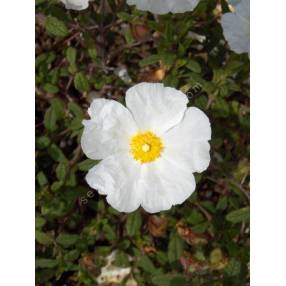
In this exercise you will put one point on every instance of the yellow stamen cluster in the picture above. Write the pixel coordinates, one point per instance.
(146, 147)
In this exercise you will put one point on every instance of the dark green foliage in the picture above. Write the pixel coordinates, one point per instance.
(204, 241)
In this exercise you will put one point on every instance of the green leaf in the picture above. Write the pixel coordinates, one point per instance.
(76, 110)
(50, 119)
(43, 142)
(56, 27)
(71, 55)
(121, 259)
(194, 66)
(87, 164)
(56, 185)
(42, 179)
(92, 53)
(59, 107)
(40, 222)
(72, 255)
(76, 124)
(238, 216)
(169, 280)
(175, 248)
(43, 238)
(61, 171)
(133, 223)
(233, 267)
(67, 240)
(56, 153)
(46, 263)
(222, 203)
(146, 264)
(150, 60)
(54, 113)
(81, 82)
(50, 88)
(109, 232)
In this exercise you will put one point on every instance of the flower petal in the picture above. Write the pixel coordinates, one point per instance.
(236, 27)
(188, 141)
(76, 4)
(155, 107)
(117, 177)
(109, 129)
(165, 183)
(164, 6)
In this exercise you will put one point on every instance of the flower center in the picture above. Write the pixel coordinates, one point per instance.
(146, 147)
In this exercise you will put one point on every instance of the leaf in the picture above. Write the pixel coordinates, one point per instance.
(56, 153)
(56, 185)
(233, 267)
(50, 119)
(86, 164)
(43, 142)
(133, 223)
(43, 238)
(67, 240)
(146, 264)
(216, 256)
(150, 60)
(222, 203)
(59, 108)
(50, 88)
(170, 280)
(71, 55)
(72, 255)
(42, 179)
(240, 215)
(194, 66)
(46, 263)
(92, 53)
(109, 232)
(81, 82)
(76, 110)
(56, 27)
(40, 222)
(54, 113)
(61, 171)
(175, 248)
(121, 259)
(76, 124)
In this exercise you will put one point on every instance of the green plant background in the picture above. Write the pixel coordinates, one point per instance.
(80, 56)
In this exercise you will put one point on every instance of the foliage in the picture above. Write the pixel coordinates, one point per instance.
(100, 52)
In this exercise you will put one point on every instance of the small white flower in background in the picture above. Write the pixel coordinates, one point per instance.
(164, 6)
(236, 27)
(111, 274)
(76, 4)
(149, 150)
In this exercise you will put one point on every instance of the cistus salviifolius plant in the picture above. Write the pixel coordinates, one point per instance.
(91, 53)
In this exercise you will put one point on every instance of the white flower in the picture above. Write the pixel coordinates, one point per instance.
(149, 150)
(111, 274)
(164, 6)
(236, 27)
(76, 4)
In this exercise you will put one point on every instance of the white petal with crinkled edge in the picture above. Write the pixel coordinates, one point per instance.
(155, 107)
(236, 27)
(117, 177)
(165, 183)
(164, 6)
(109, 129)
(187, 142)
(75, 4)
